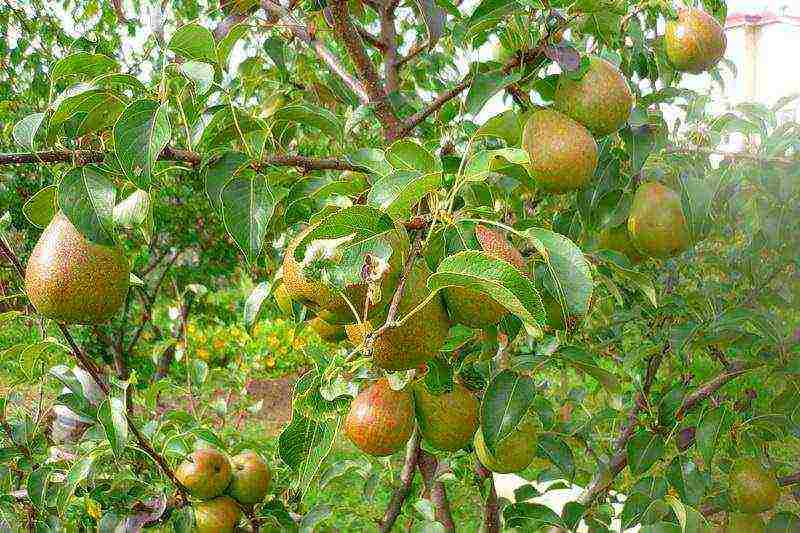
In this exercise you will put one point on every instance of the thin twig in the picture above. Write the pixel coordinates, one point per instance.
(398, 293)
(427, 465)
(401, 493)
(301, 32)
(735, 369)
(619, 460)
(491, 511)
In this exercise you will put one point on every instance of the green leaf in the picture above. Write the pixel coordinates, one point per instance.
(531, 517)
(31, 356)
(687, 480)
(255, 302)
(312, 116)
(784, 522)
(199, 371)
(101, 116)
(366, 230)
(485, 86)
(140, 135)
(248, 204)
(555, 450)
(80, 99)
(690, 520)
(111, 415)
(226, 125)
(644, 449)
(398, 192)
(508, 126)
(371, 159)
(41, 207)
(507, 400)
(225, 46)
(493, 277)
(24, 132)
(313, 518)
(83, 65)
(570, 277)
(201, 74)
(87, 199)
(631, 278)
(484, 163)
(37, 485)
(712, 430)
(439, 377)
(583, 361)
(409, 154)
(193, 41)
(132, 211)
(697, 198)
(639, 144)
(78, 473)
(303, 446)
(218, 172)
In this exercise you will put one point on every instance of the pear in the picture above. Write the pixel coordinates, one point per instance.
(250, 478)
(73, 280)
(601, 100)
(206, 473)
(695, 42)
(752, 489)
(656, 223)
(380, 420)
(219, 515)
(447, 420)
(563, 154)
(473, 308)
(419, 338)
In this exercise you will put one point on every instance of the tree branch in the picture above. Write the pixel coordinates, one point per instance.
(348, 35)
(520, 59)
(427, 465)
(398, 293)
(792, 479)
(619, 460)
(401, 493)
(86, 157)
(389, 37)
(735, 369)
(491, 511)
(301, 32)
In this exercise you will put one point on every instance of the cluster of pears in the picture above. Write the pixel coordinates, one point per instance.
(73, 280)
(752, 489)
(381, 420)
(222, 486)
(563, 153)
